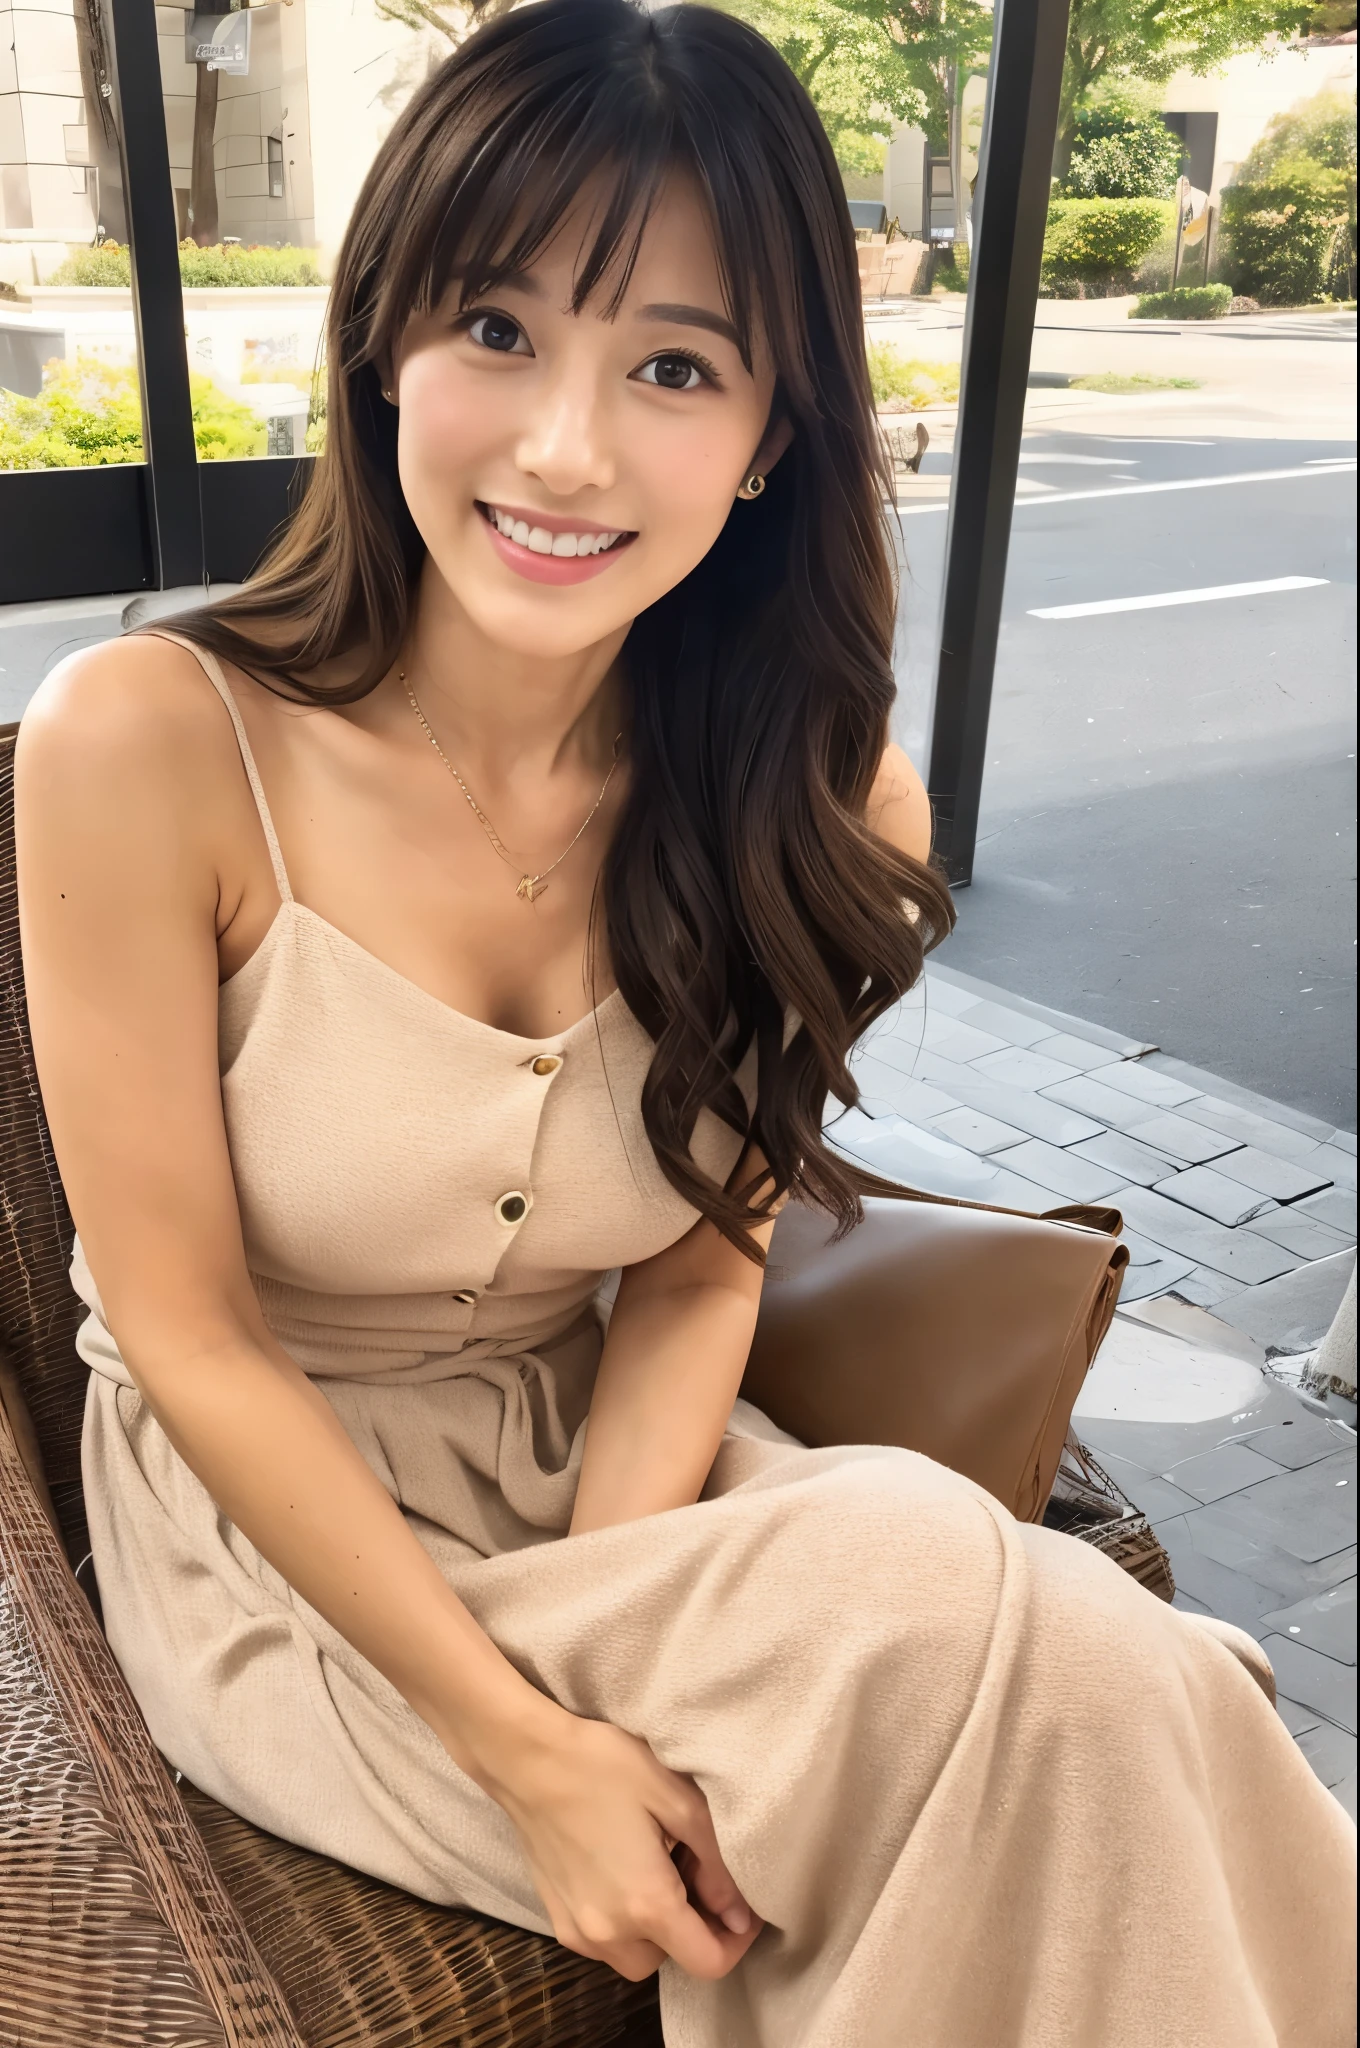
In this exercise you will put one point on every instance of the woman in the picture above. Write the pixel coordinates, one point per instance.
(485, 898)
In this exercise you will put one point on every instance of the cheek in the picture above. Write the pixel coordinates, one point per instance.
(685, 472)
(447, 427)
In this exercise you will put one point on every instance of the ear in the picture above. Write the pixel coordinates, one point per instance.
(777, 438)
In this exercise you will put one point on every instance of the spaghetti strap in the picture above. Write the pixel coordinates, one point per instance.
(212, 669)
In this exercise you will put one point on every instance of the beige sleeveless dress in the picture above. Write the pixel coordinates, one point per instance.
(986, 1791)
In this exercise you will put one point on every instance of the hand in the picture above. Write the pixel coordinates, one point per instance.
(598, 1818)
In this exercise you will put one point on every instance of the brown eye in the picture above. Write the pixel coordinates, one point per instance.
(499, 332)
(673, 373)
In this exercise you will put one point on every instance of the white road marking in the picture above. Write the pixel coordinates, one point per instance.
(1188, 483)
(1166, 597)
(1081, 461)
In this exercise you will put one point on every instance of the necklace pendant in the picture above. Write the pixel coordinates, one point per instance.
(529, 887)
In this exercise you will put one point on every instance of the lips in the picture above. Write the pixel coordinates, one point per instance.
(545, 548)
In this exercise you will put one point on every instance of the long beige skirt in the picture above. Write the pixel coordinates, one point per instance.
(985, 1790)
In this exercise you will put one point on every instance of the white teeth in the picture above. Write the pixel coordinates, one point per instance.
(542, 542)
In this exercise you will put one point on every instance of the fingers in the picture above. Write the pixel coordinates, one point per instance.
(689, 1821)
(701, 1947)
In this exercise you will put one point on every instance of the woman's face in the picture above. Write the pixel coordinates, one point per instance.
(565, 471)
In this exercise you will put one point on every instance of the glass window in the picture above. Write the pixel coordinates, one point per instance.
(273, 115)
(1167, 811)
(68, 364)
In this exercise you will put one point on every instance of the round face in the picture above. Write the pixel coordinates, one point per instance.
(564, 470)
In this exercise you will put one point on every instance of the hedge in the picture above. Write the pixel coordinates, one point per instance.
(1101, 241)
(1187, 302)
(110, 264)
(89, 414)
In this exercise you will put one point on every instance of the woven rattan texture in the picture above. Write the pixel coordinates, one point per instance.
(366, 1966)
(114, 1930)
(1088, 1504)
(39, 1310)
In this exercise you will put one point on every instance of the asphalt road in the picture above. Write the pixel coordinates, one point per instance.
(1167, 842)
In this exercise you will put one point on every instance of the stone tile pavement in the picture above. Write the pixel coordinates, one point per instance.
(1240, 1215)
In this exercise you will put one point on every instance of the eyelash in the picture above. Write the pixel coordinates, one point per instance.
(686, 355)
(466, 321)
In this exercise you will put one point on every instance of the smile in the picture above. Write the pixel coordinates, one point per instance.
(546, 549)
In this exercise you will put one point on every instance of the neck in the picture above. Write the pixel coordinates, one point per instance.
(504, 711)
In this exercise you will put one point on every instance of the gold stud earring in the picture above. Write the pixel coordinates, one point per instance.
(753, 486)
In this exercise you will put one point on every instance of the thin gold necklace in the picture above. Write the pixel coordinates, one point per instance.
(529, 886)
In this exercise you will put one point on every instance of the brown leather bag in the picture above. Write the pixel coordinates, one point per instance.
(950, 1328)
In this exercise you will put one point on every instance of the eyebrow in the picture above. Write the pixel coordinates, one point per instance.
(674, 314)
(692, 316)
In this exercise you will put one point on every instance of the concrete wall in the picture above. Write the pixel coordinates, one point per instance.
(43, 145)
(327, 79)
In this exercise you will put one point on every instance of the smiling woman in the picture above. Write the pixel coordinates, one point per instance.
(411, 1550)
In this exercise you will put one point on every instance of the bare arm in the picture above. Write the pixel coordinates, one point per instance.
(672, 1364)
(898, 807)
(128, 793)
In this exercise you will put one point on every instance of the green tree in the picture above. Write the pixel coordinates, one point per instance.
(1110, 40)
(870, 63)
(1122, 152)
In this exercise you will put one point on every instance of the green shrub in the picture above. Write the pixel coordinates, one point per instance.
(223, 428)
(89, 413)
(1099, 242)
(1122, 155)
(252, 265)
(908, 383)
(951, 274)
(1287, 234)
(110, 264)
(1187, 302)
(1290, 236)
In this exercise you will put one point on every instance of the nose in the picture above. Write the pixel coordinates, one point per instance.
(566, 440)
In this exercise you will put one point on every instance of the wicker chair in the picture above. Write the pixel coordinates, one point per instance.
(135, 1912)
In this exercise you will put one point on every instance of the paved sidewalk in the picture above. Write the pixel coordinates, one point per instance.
(1240, 1217)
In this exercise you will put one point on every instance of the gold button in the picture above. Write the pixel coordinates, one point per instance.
(547, 1064)
(513, 1207)
(466, 1295)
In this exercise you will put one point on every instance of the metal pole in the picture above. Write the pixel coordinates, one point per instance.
(1010, 212)
(157, 300)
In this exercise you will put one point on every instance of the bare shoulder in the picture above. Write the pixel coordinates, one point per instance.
(129, 721)
(899, 808)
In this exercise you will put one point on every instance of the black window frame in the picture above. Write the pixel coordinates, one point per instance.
(170, 520)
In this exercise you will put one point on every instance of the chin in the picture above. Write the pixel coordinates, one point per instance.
(547, 625)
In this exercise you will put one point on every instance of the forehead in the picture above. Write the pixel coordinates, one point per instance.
(670, 254)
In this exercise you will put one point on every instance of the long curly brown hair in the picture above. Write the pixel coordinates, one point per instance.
(745, 898)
